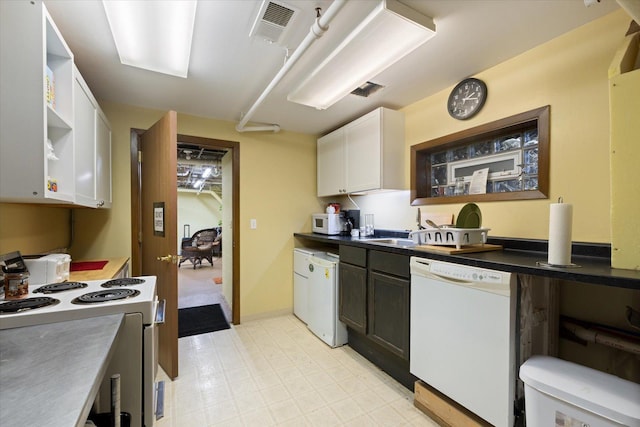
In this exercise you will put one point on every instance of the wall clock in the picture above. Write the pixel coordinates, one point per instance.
(467, 98)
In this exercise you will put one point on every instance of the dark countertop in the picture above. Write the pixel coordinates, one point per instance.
(50, 374)
(518, 256)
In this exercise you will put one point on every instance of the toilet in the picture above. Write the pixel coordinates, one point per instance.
(563, 394)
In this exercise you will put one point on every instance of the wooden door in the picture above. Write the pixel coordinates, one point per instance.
(158, 147)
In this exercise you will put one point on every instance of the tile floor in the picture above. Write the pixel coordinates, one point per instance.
(274, 372)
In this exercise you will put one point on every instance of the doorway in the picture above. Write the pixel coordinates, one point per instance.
(203, 214)
(230, 161)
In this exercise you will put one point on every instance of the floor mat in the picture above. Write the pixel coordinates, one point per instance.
(201, 320)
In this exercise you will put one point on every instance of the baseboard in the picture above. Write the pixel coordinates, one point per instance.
(265, 315)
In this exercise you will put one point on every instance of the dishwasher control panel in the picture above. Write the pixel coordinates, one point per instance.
(467, 274)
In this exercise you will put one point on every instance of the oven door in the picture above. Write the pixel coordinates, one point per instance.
(153, 392)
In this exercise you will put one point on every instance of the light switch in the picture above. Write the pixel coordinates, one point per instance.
(253, 224)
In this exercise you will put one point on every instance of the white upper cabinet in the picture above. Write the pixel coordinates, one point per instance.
(364, 155)
(331, 164)
(38, 120)
(36, 138)
(103, 161)
(92, 135)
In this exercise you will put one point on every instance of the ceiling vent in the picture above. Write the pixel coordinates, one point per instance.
(272, 21)
(369, 88)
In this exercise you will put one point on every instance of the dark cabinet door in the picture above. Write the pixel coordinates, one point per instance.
(353, 296)
(389, 300)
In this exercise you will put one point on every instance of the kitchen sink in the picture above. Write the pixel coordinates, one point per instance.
(393, 241)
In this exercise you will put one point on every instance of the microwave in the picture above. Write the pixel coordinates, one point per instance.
(325, 223)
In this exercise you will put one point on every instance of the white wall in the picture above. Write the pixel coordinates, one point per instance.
(200, 211)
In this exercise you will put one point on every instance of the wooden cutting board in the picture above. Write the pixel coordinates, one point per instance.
(452, 250)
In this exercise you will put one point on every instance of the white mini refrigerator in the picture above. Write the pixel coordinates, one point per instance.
(301, 273)
(322, 313)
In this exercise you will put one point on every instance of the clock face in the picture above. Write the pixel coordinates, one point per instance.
(467, 98)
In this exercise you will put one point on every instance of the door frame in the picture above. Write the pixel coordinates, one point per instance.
(136, 256)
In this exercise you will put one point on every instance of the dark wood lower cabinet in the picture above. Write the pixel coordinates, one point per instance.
(388, 307)
(374, 303)
(394, 366)
(353, 296)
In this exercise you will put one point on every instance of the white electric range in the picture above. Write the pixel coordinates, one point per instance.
(133, 296)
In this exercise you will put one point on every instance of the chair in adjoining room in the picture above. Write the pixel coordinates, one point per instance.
(202, 245)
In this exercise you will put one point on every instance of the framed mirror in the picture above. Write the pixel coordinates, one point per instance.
(513, 154)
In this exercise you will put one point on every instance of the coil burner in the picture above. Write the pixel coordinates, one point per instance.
(125, 281)
(18, 306)
(105, 296)
(53, 288)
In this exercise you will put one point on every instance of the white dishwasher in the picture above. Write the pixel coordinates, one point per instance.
(322, 316)
(463, 328)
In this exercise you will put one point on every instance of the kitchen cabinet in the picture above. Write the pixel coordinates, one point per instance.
(331, 163)
(624, 99)
(374, 296)
(55, 142)
(389, 301)
(36, 136)
(389, 294)
(364, 155)
(374, 303)
(352, 310)
(92, 137)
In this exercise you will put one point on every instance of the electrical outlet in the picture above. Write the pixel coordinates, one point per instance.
(253, 224)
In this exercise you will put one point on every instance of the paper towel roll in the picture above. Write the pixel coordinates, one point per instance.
(560, 217)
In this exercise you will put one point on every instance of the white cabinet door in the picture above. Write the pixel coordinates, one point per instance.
(362, 153)
(84, 128)
(103, 161)
(93, 148)
(331, 161)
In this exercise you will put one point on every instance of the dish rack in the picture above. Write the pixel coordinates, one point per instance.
(450, 236)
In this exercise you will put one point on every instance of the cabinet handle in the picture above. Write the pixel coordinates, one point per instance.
(101, 203)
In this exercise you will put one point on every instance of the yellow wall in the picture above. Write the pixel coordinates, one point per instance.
(568, 73)
(277, 187)
(33, 229)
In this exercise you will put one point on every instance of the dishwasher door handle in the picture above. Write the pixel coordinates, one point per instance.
(420, 266)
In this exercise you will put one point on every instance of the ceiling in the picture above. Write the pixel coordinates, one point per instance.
(200, 169)
(229, 69)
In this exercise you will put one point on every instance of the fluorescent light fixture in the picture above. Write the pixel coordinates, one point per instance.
(391, 31)
(198, 183)
(154, 35)
(206, 173)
